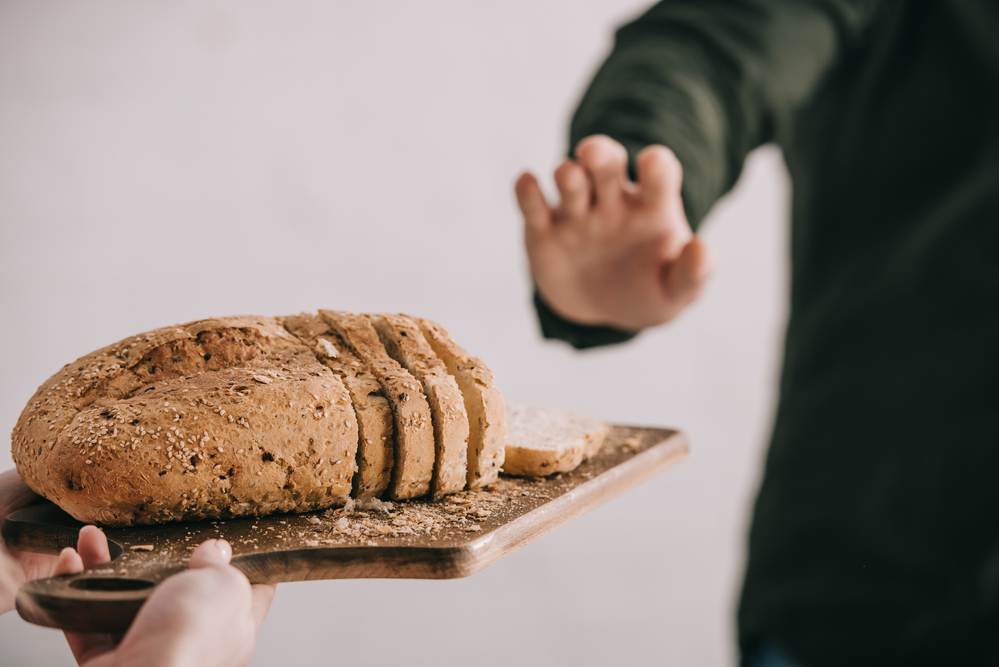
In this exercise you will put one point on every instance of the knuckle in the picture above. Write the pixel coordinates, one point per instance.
(523, 183)
(566, 172)
(673, 163)
(226, 580)
(592, 141)
(656, 155)
(600, 149)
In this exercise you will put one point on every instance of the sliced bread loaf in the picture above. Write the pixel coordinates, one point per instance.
(483, 403)
(248, 415)
(405, 343)
(374, 414)
(543, 442)
(414, 431)
(211, 419)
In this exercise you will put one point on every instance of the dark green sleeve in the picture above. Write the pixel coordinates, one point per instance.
(711, 79)
(580, 336)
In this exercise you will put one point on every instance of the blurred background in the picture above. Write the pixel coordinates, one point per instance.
(167, 161)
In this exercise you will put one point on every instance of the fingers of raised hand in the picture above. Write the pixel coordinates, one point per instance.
(574, 191)
(684, 278)
(606, 164)
(660, 175)
(537, 214)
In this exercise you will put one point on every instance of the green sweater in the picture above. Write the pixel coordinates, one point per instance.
(875, 538)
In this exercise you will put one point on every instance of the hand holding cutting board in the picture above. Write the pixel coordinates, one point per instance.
(206, 615)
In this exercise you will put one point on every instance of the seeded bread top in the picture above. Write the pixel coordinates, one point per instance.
(219, 417)
(252, 415)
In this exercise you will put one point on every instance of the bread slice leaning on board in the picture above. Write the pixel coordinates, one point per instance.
(543, 442)
(250, 415)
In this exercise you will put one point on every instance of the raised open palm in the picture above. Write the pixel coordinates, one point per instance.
(613, 252)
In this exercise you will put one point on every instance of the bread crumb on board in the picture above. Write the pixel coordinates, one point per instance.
(370, 521)
(459, 518)
(631, 444)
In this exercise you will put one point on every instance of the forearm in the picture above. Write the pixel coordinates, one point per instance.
(629, 103)
(713, 79)
(704, 81)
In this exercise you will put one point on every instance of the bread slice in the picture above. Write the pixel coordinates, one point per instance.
(483, 403)
(414, 431)
(543, 442)
(374, 414)
(404, 341)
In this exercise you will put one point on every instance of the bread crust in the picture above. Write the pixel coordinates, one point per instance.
(523, 461)
(250, 415)
(405, 343)
(414, 433)
(483, 404)
(375, 456)
(210, 419)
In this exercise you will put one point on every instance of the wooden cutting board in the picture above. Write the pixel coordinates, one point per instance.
(448, 539)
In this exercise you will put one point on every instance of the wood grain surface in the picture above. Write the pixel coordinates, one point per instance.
(446, 539)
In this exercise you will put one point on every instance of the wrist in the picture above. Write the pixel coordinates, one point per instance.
(571, 304)
(579, 336)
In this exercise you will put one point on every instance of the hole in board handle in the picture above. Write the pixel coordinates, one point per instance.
(110, 584)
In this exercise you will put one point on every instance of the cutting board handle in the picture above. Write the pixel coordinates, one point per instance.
(72, 602)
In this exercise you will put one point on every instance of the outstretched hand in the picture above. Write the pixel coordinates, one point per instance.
(611, 251)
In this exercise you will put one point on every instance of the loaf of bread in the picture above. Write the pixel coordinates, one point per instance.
(251, 415)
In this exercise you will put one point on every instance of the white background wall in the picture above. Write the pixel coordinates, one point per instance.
(165, 161)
